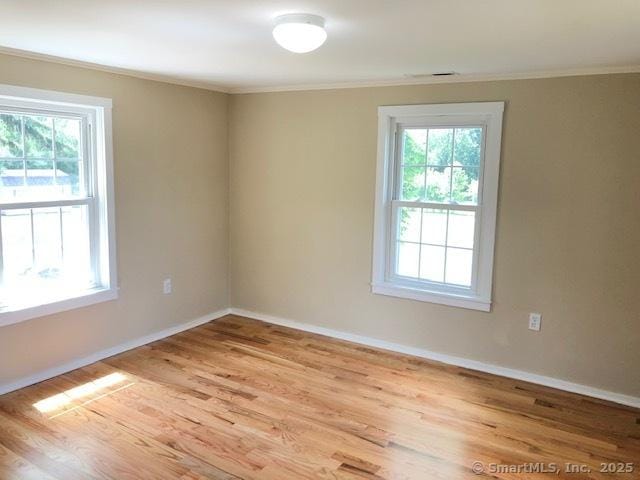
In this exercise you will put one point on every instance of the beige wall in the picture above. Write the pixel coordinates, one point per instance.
(170, 158)
(299, 176)
(302, 168)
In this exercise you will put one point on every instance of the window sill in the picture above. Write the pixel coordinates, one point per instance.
(392, 290)
(10, 314)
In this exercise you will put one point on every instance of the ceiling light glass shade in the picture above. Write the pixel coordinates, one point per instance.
(299, 33)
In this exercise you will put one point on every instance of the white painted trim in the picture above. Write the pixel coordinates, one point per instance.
(391, 122)
(401, 291)
(115, 70)
(54, 97)
(448, 359)
(429, 80)
(96, 115)
(350, 337)
(82, 299)
(109, 352)
(392, 82)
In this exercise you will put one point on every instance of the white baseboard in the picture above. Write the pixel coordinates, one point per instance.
(449, 359)
(351, 337)
(109, 352)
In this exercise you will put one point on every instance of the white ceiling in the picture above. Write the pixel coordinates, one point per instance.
(228, 44)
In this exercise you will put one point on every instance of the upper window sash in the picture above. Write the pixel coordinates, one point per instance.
(400, 166)
(30, 113)
(83, 160)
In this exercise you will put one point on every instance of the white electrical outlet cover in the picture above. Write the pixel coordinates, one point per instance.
(535, 320)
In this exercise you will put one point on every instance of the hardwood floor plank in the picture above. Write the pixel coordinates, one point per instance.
(14, 467)
(240, 399)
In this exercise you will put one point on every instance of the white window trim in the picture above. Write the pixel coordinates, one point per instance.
(100, 111)
(488, 114)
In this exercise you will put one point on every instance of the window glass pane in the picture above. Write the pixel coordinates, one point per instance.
(412, 183)
(11, 165)
(461, 229)
(75, 243)
(409, 224)
(11, 180)
(67, 138)
(40, 181)
(465, 185)
(10, 136)
(38, 137)
(438, 184)
(59, 258)
(16, 243)
(434, 226)
(45, 180)
(432, 263)
(440, 146)
(467, 147)
(47, 246)
(408, 259)
(415, 146)
(459, 266)
(70, 178)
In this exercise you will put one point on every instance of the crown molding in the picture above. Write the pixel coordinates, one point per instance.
(464, 78)
(397, 82)
(117, 70)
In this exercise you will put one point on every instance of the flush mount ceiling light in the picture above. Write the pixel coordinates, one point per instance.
(299, 32)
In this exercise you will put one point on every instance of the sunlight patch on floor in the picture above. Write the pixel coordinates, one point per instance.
(65, 398)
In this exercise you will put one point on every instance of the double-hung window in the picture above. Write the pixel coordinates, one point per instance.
(57, 248)
(436, 199)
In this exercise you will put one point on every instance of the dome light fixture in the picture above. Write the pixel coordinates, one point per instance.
(299, 32)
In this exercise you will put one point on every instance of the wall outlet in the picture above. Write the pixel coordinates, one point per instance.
(167, 288)
(535, 319)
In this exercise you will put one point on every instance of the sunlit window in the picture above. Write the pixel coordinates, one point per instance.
(54, 203)
(436, 204)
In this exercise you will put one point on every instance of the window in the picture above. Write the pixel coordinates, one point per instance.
(57, 248)
(436, 199)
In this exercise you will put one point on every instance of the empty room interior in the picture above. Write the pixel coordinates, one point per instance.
(338, 239)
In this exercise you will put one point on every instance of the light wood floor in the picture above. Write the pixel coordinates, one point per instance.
(238, 398)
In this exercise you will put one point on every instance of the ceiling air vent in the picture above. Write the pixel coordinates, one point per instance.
(428, 75)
